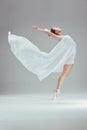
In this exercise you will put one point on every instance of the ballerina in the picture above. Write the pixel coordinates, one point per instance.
(60, 59)
(56, 33)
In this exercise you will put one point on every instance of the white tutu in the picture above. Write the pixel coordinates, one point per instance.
(39, 62)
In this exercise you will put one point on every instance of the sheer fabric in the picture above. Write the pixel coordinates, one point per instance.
(39, 62)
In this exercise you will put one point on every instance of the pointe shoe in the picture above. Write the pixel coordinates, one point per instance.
(56, 94)
(54, 98)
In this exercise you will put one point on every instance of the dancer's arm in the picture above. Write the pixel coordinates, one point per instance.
(48, 32)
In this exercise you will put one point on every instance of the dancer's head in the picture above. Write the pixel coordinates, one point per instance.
(56, 30)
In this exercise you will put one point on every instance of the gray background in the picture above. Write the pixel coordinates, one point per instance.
(25, 102)
(18, 16)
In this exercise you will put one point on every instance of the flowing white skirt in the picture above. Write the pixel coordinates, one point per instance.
(39, 62)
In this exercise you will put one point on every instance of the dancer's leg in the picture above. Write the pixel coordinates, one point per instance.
(66, 70)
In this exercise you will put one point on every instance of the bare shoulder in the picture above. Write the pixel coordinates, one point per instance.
(67, 36)
(61, 37)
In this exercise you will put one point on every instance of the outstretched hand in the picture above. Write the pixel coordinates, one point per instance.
(34, 27)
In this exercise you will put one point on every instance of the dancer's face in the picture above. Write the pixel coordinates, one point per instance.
(57, 30)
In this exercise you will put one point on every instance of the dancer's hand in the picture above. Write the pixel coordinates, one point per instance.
(35, 27)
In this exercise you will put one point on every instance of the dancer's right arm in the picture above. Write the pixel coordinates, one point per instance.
(46, 31)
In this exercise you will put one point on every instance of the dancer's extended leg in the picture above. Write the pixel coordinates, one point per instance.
(66, 70)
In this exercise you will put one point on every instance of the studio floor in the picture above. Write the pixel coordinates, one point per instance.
(39, 112)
